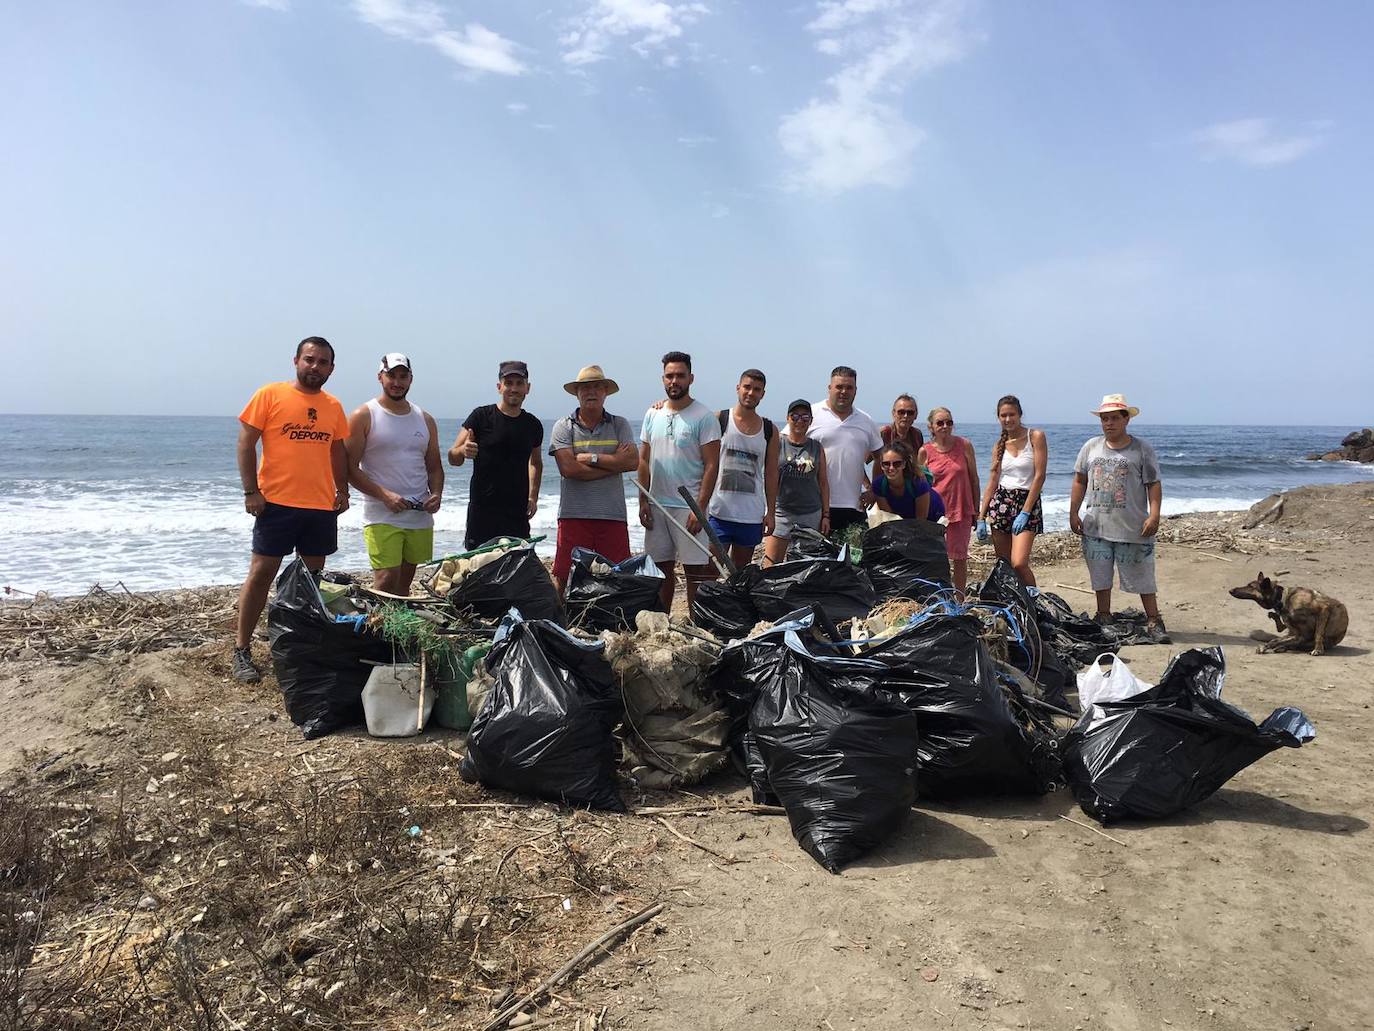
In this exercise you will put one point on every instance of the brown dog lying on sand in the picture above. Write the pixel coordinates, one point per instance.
(1305, 618)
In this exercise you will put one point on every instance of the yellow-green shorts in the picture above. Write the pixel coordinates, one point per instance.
(389, 546)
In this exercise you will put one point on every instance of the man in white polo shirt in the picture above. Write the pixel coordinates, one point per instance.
(851, 441)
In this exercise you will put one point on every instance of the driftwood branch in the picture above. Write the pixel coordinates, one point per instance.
(562, 973)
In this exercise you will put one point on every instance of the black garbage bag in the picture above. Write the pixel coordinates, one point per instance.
(517, 579)
(318, 662)
(610, 600)
(726, 607)
(971, 739)
(1033, 653)
(546, 726)
(840, 753)
(840, 588)
(809, 543)
(1167, 748)
(906, 558)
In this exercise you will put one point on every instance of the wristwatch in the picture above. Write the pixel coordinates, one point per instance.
(596, 458)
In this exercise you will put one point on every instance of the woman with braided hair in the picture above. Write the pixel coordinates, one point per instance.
(1012, 497)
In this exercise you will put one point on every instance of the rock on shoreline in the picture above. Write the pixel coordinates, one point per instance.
(1358, 446)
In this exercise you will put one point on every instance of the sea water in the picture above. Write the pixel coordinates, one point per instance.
(155, 501)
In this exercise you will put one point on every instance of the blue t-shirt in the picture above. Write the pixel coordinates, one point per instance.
(675, 440)
(905, 504)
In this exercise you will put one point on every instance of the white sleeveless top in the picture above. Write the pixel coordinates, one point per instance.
(394, 457)
(1018, 470)
(739, 497)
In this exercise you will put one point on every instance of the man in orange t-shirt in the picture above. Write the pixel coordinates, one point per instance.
(298, 490)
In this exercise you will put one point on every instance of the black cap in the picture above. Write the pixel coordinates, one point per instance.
(800, 402)
(513, 369)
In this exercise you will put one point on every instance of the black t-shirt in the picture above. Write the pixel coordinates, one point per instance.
(500, 472)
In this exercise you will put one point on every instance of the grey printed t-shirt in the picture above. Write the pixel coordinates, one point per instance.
(1116, 503)
(591, 499)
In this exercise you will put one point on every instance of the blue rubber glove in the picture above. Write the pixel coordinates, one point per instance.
(1019, 523)
(982, 529)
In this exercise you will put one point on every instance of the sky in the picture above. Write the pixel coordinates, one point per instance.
(960, 199)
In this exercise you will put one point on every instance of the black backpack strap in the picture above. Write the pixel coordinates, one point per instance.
(768, 430)
(723, 415)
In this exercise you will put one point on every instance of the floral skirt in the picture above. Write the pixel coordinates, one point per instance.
(1006, 505)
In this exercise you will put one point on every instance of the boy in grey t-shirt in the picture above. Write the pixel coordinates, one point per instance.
(1118, 477)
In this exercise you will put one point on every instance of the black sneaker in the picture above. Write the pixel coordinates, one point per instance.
(1157, 633)
(244, 670)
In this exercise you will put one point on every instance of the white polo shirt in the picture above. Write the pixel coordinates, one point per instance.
(848, 445)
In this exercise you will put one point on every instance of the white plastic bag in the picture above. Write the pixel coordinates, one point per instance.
(391, 701)
(1109, 682)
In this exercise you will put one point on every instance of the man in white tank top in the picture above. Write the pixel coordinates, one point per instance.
(744, 504)
(393, 458)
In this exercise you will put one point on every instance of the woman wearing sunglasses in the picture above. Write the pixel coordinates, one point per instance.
(900, 488)
(803, 486)
(951, 462)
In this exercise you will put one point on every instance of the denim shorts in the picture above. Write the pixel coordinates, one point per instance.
(1134, 563)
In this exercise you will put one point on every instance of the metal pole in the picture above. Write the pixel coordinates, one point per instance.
(723, 568)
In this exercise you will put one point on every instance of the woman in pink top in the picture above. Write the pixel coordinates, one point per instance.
(951, 462)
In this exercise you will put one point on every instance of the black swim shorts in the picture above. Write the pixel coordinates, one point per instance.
(280, 530)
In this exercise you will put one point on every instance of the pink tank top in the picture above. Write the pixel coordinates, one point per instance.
(951, 479)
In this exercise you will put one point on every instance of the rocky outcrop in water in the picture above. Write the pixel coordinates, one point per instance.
(1357, 446)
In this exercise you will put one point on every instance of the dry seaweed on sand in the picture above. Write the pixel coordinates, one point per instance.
(205, 881)
(112, 621)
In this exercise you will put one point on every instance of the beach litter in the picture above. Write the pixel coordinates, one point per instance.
(546, 727)
(604, 596)
(1170, 746)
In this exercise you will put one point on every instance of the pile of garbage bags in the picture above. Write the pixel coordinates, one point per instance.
(976, 737)
(846, 691)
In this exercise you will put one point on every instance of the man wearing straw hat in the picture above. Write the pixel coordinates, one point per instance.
(1117, 474)
(592, 448)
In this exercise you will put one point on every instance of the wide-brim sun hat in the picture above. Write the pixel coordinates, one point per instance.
(1115, 403)
(591, 374)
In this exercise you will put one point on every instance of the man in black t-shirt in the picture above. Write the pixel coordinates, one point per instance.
(503, 441)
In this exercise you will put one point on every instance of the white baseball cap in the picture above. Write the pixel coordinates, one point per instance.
(395, 358)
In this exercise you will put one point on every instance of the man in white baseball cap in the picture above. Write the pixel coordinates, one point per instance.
(393, 458)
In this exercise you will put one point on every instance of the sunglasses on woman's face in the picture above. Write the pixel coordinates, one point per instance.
(944, 422)
(800, 416)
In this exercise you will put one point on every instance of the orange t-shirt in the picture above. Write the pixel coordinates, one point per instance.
(298, 431)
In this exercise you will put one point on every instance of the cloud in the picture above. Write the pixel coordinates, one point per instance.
(649, 25)
(270, 5)
(1254, 141)
(517, 107)
(855, 135)
(695, 141)
(474, 47)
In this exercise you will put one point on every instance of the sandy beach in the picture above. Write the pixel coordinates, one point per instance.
(172, 853)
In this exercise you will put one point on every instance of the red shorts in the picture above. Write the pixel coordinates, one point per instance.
(609, 538)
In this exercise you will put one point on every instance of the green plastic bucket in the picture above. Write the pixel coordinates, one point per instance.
(451, 689)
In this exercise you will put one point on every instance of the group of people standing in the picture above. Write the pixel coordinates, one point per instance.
(757, 483)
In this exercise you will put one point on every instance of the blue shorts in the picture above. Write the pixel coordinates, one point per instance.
(281, 529)
(740, 535)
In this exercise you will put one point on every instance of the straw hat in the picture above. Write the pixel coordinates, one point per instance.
(591, 374)
(1115, 403)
